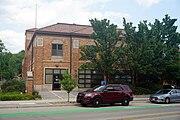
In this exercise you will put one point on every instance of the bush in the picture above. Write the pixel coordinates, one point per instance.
(36, 94)
(140, 90)
(15, 96)
(14, 85)
(152, 87)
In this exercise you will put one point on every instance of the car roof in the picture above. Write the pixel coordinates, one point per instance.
(115, 85)
(171, 89)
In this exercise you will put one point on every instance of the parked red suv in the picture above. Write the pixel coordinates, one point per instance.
(111, 93)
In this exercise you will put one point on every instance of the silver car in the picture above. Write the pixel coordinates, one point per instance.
(166, 96)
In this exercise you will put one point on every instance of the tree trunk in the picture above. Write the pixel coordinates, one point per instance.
(132, 80)
(68, 96)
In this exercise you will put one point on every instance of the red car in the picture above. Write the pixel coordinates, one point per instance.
(111, 93)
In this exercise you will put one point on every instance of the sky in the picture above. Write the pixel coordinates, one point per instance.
(18, 15)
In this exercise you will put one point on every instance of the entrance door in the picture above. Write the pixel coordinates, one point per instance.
(56, 82)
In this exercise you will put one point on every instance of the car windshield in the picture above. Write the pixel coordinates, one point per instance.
(99, 88)
(163, 91)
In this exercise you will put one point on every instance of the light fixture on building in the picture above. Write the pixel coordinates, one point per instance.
(56, 65)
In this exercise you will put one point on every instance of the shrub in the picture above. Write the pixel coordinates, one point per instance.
(140, 90)
(36, 94)
(15, 96)
(14, 85)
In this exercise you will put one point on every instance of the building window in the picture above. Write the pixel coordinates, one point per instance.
(39, 42)
(57, 49)
(91, 43)
(50, 73)
(76, 44)
(28, 36)
(89, 78)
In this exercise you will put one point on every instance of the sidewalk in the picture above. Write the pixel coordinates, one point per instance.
(51, 103)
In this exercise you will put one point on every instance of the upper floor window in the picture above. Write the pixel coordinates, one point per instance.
(28, 36)
(39, 42)
(57, 49)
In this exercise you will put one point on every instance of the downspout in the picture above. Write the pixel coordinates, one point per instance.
(32, 57)
(70, 53)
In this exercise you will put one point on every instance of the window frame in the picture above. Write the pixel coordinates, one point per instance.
(57, 51)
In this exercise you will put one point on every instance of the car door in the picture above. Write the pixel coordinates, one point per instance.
(118, 93)
(173, 95)
(108, 94)
(178, 95)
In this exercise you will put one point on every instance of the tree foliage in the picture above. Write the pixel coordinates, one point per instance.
(14, 85)
(10, 64)
(67, 83)
(102, 55)
(152, 49)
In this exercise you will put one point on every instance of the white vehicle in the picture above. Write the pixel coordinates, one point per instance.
(166, 96)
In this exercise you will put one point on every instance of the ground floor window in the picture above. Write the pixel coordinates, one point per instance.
(89, 78)
(51, 73)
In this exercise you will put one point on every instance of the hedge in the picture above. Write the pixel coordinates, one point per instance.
(17, 96)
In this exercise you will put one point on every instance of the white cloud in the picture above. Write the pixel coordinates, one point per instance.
(147, 3)
(13, 41)
(21, 13)
(50, 12)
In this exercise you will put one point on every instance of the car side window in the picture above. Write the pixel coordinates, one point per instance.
(173, 92)
(117, 88)
(178, 91)
(110, 88)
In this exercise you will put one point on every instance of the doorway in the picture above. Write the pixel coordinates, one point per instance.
(53, 77)
(56, 82)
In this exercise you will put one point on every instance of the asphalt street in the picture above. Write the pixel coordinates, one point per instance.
(54, 106)
(136, 111)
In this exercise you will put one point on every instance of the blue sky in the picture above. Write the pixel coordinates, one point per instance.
(19, 15)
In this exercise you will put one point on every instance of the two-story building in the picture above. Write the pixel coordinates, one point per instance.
(52, 50)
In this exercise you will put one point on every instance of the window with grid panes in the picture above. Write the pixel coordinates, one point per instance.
(57, 49)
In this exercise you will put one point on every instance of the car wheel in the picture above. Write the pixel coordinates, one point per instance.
(167, 100)
(97, 102)
(125, 101)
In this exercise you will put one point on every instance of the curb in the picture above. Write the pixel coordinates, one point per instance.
(48, 103)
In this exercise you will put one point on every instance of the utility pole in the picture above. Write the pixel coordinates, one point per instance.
(36, 15)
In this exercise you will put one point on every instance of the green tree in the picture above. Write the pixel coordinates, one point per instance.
(10, 64)
(14, 85)
(102, 55)
(4, 62)
(16, 63)
(152, 48)
(67, 83)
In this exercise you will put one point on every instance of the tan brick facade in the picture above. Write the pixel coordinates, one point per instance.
(38, 50)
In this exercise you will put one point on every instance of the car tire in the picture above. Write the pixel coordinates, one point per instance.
(167, 100)
(125, 101)
(97, 102)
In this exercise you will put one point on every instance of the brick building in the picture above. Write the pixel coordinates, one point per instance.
(51, 50)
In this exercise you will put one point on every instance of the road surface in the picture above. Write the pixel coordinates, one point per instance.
(136, 111)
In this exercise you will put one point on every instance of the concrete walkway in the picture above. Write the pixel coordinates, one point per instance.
(63, 96)
(56, 98)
